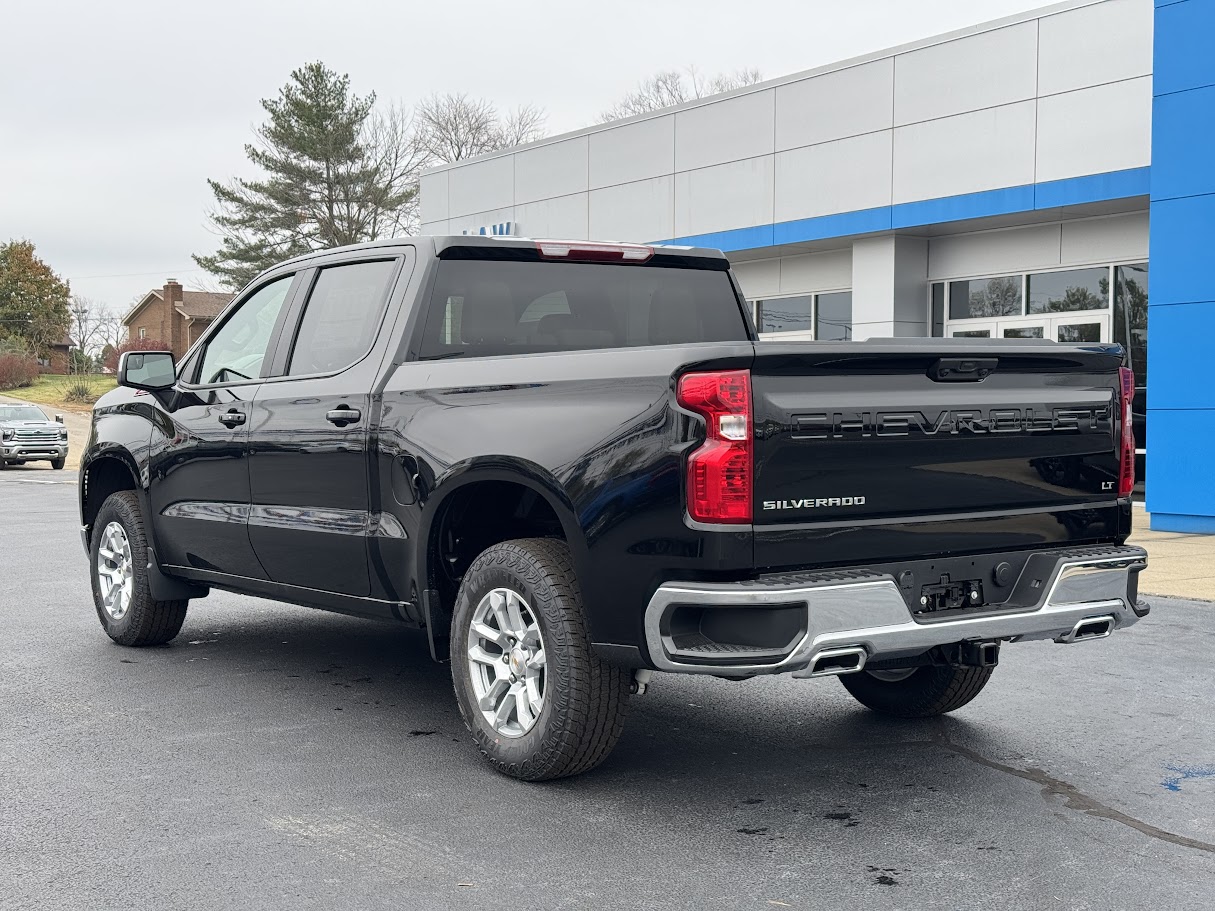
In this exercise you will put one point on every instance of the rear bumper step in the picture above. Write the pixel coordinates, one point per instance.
(848, 618)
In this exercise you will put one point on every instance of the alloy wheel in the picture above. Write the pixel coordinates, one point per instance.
(507, 663)
(115, 571)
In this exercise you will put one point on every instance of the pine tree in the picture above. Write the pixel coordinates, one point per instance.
(333, 175)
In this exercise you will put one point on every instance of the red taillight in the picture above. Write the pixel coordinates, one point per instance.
(719, 470)
(1126, 470)
(591, 252)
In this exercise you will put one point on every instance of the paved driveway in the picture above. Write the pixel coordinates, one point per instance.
(275, 757)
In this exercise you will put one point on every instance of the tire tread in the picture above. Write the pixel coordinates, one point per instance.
(595, 692)
(151, 622)
(930, 691)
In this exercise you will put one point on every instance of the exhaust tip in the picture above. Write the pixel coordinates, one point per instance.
(835, 661)
(1089, 628)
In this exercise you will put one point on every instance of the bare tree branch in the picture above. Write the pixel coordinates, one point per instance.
(92, 327)
(524, 124)
(454, 127)
(672, 87)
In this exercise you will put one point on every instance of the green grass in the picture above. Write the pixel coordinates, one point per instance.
(52, 389)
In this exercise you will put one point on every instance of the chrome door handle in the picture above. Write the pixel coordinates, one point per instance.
(343, 416)
(232, 418)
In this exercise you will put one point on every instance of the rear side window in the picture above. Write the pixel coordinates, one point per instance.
(341, 317)
(488, 307)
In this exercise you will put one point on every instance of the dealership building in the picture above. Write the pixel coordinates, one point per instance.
(1018, 179)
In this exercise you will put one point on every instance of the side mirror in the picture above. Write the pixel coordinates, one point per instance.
(150, 370)
(58, 419)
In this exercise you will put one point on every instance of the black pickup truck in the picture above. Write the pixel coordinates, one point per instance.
(575, 464)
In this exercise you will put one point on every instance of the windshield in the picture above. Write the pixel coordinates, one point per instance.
(21, 413)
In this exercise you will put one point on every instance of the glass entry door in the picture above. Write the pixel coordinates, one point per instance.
(1088, 327)
(1077, 328)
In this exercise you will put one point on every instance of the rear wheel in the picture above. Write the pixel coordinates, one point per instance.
(119, 551)
(917, 692)
(539, 703)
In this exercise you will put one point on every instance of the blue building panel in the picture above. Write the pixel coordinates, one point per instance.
(1183, 141)
(1074, 191)
(1181, 337)
(1182, 57)
(863, 221)
(963, 207)
(1182, 250)
(985, 204)
(1179, 464)
(1181, 419)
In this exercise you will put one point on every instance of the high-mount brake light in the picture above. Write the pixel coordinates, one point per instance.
(1126, 468)
(720, 470)
(596, 253)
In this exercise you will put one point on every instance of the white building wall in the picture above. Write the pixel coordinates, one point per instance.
(1083, 242)
(1056, 93)
(792, 275)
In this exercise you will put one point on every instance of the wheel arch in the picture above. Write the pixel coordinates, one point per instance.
(512, 498)
(108, 471)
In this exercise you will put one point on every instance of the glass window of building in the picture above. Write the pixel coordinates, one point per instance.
(972, 333)
(785, 314)
(1066, 292)
(1080, 332)
(1131, 316)
(938, 310)
(833, 317)
(1024, 332)
(985, 297)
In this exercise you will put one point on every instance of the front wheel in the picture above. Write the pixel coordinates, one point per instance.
(538, 701)
(920, 692)
(57, 464)
(119, 557)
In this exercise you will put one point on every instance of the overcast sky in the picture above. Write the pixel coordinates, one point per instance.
(113, 114)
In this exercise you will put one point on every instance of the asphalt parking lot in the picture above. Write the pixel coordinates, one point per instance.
(274, 757)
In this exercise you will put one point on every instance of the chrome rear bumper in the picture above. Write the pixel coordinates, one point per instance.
(1072, 595)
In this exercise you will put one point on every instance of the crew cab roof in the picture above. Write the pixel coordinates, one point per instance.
(449, 243)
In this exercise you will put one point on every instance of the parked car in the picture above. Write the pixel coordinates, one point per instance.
(28, 435)
(575, 464)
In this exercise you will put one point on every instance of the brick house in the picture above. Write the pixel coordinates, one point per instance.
(59, 359)
(173, 315)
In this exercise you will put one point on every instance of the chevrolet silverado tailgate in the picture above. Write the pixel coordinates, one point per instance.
(893, 449)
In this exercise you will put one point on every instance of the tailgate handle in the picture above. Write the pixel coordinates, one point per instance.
(963, 369)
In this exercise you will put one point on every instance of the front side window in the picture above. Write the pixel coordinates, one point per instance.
(1066, 292)
(341, 317)
(236, 351)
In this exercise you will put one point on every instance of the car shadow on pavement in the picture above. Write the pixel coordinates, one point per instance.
(801, 743)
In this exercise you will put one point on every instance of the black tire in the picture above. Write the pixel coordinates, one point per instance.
(58, 464)
(585, 698)
(928, 691)
(146, 621)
